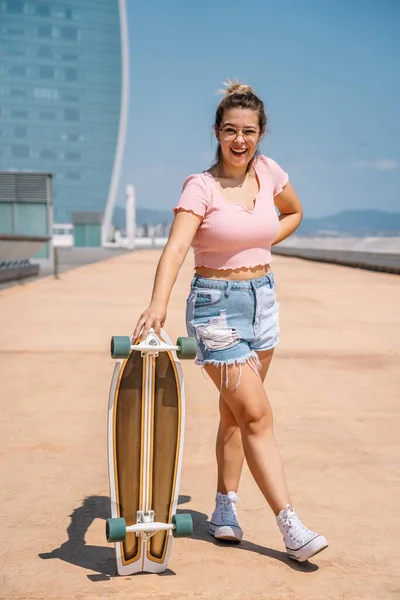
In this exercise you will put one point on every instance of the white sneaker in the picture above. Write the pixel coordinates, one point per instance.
(301, 543)
(224, 523)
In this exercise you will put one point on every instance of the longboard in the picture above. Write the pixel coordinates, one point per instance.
(146, 419)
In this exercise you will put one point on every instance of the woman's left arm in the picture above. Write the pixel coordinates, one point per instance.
(290, 212)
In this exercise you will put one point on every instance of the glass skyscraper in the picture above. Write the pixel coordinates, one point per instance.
(64, 97)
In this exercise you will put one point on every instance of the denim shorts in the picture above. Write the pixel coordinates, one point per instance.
(232, 320)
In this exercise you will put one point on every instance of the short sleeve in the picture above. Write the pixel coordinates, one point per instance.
(193, 197)
(279, 176)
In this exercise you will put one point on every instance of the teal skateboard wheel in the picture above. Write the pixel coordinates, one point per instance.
(120, 346)
(187, 347)
(183, 525)
(115, 530)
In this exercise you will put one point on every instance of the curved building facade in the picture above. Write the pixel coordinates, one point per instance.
(64, 98)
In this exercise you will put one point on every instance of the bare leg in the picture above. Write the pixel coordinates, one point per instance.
(250, 407)
(229, 448)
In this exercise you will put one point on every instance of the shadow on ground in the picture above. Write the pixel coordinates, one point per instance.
(101, 559)
(200, 532)
(75, 550)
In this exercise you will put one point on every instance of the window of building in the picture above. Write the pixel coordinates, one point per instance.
(47, 72)
(20, 132)
(71, 114)
(71, 74)
(18, 93)
(17, 71)
(47, 115)
(72, 175)
(70, 56)
(45, 52)
(19, 114)
(45, 93)
(19, 151)
(66, 13)
(45, 31)
(71, 137)
(73, 156)
(48, 154)
(16, 53)
(71, 97)
(69, 33)
(58, 12)
(14, 30)
(42, 10)
(15, 6)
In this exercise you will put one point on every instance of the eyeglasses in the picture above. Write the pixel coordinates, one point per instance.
(229, 134)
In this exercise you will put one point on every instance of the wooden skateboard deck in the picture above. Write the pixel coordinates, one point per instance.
(146, 418)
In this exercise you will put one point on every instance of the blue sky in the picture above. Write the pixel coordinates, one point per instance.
(327, 71)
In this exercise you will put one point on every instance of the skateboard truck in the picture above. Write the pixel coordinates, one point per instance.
(116, 529)
(153, 342)
(145, 517)
(121, 346)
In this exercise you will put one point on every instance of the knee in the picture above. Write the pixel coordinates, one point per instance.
(257, 422)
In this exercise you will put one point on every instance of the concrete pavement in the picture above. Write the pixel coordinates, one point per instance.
(334, 385)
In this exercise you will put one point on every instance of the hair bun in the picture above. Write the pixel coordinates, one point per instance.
(236, 87)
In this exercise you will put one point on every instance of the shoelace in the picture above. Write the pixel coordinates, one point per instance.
(228, 505)
(295, 528)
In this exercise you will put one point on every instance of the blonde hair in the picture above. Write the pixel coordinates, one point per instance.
(235, 87)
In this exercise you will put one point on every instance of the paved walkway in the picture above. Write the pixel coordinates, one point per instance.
(334, 385)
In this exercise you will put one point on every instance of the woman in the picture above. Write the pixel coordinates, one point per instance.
(227, 214)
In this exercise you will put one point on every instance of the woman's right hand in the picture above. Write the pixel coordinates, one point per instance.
(153, 317)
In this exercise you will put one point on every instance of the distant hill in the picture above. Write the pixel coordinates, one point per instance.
(143, 215)
(353, 222)
(349, 222)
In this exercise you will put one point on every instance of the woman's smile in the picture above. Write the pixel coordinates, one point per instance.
(239, 153)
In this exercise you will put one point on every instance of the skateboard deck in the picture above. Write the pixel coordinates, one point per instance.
(146, 419)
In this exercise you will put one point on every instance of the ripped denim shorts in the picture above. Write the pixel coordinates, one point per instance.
(232, 320)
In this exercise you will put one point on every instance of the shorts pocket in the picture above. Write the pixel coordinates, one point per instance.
(203, 298)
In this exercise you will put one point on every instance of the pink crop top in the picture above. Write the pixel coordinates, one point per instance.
(230, 236)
